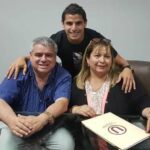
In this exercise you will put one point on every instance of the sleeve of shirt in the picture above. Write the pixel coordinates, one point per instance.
(63, 86)
(57, 37)
(8, 90)
(114, 52)
(53, 37)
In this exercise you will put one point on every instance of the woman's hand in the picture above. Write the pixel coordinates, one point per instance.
(148, 125)
(83, 110)
(19, 63)
(146, 114)
(128, 80)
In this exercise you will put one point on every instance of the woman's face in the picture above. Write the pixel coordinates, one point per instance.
(100, 60)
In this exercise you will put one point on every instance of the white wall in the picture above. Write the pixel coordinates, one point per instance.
(125, 22)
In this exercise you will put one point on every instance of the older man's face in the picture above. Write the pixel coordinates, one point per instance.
(43, 59)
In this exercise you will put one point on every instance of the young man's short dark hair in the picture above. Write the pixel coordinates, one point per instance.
(74, 9)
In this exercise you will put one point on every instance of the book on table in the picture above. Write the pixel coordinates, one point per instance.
(116, 130)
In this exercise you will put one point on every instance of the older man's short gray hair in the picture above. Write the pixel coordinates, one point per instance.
(45, 41)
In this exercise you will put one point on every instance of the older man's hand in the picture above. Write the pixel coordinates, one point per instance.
(36, 122)
(19, 127)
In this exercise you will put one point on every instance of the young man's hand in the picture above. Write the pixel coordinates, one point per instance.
(19, 63)
(128, 80)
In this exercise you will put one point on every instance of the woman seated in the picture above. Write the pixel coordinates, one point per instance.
(95, 90)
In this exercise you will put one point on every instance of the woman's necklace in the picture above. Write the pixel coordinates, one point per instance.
(96, 95)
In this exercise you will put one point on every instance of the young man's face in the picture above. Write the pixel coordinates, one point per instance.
(43, 59)
(74, 26)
